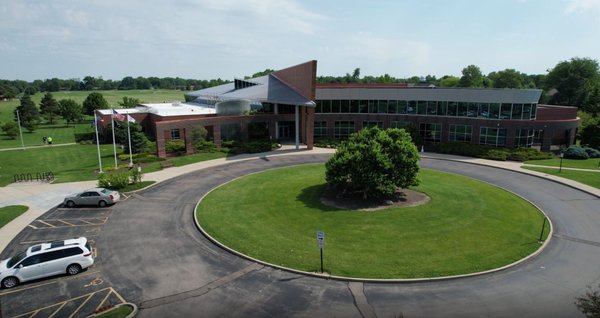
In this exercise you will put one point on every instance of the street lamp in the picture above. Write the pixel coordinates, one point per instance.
(561, 158)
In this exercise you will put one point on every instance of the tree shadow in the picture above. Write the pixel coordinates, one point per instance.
(311, 198)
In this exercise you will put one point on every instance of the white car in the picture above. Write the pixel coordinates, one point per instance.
(96, 196)
(46, 259)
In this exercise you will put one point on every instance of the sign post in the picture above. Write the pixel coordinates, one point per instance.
(321, 241)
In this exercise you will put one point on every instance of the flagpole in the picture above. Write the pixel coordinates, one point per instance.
(129, 138)
(113, 133)
(97, 141)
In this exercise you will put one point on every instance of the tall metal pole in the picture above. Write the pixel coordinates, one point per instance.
(129, 138)
(97, 141)
(114, 141)
(20, 132)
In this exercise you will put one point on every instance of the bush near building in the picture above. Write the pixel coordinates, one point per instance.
(487, 152)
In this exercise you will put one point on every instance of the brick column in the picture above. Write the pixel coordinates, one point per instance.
(217, 135)
(310, 127)
(161, 152)
(189, 142)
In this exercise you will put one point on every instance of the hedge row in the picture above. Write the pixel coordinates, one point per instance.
(581, 153)
(487, 152)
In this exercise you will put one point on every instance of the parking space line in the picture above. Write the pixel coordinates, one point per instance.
(59, 308)
(84, 221)
(81, 306)
(44, 284)
(65, 222)
(33, 227)
(50, 225)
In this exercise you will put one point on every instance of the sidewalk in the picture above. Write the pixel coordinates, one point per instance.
(40, 196)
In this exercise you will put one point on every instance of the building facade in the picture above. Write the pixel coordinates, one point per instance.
(288, 105)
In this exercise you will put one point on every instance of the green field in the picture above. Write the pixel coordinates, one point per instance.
(9, 213)
(590, 178)
(569, 163)
(468, 226)
(63, 134)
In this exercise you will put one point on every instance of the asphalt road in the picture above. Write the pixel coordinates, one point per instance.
(151, 254)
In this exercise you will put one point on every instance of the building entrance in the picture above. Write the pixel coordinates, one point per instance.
(286, 130)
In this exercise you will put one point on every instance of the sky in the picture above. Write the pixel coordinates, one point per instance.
(206, 39)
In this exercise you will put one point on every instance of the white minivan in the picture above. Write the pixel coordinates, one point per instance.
(46, 259)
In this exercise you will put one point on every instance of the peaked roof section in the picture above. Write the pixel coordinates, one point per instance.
(293, 86)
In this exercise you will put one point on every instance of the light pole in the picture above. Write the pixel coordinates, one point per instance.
(20, 132)
(561, 158)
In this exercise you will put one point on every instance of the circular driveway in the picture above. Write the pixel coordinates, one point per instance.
(153, 254)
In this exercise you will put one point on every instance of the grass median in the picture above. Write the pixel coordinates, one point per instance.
(467, 227)
(11, 212)
(586, 177)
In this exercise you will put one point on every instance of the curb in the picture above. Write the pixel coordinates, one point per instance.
(375, 280)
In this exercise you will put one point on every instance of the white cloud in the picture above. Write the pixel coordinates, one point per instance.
(583, 6)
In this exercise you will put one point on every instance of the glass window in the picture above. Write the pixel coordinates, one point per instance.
(492, 136)
(526, 112)
(412, 107)
(175, 134)
(369, 124)
(460, 133)
(517, 111)
(319, 107)
(326, 106)
(399, 124)
(472, 110)
(505, 111)
(320, 129)
(484, 110)
(431, 108)
(430, 132)
(463, 108)
(422, 107)
(363, 106)
(231, 132)
(382, 109)
(533, 111)
(402, 104)
(538, 137)
(442, 108)
(354, 106)
(392, 107)
(525, 137)
(343, 129)
(373, 107)
(345, 108)
(494, 110)
(452, 108)
(335, 106)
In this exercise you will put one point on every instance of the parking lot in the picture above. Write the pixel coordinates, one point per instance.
(61, 296)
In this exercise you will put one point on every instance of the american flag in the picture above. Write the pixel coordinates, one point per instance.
(117, 116)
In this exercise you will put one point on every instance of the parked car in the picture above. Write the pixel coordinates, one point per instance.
(46, 259)
(96, 196)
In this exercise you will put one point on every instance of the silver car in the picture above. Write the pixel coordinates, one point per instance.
(46, 259)
(96, 196)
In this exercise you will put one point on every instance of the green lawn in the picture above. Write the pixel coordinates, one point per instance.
(468, 226)
(9, 213)
(570, 163)
(590, 178)
(59, 131)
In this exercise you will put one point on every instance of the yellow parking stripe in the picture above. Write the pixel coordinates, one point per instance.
(80, 306)
(65, 222)
(50, 225)
(56, 311)
(20, 289)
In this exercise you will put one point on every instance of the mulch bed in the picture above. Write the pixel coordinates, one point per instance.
(354, 201)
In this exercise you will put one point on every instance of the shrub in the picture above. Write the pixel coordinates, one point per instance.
(575, 152)
(325, 142)
(175, 146)
(114, 180)
(205, 146)
(592, 153)
(496, 154)
(237, 147)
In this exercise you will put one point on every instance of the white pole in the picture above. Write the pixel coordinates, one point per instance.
(129, 138)
(20, 132)
(97, 141)
(113, 133)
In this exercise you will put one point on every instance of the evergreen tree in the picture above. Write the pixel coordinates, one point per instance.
(11, 129)
(29, 115)
(49, 107)
(94, 101)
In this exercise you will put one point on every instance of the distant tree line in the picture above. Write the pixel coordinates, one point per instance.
(12, 89)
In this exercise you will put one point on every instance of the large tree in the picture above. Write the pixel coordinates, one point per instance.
(29, 115)
(471, 77)
(508, 78)
(374, 162)
(11, 129)
(49, 107)
(70, 110)
(573, 81)
(94, 101)
(129, 102)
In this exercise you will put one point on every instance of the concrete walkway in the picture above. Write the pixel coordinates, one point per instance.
(40, 146)
(41, 196)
